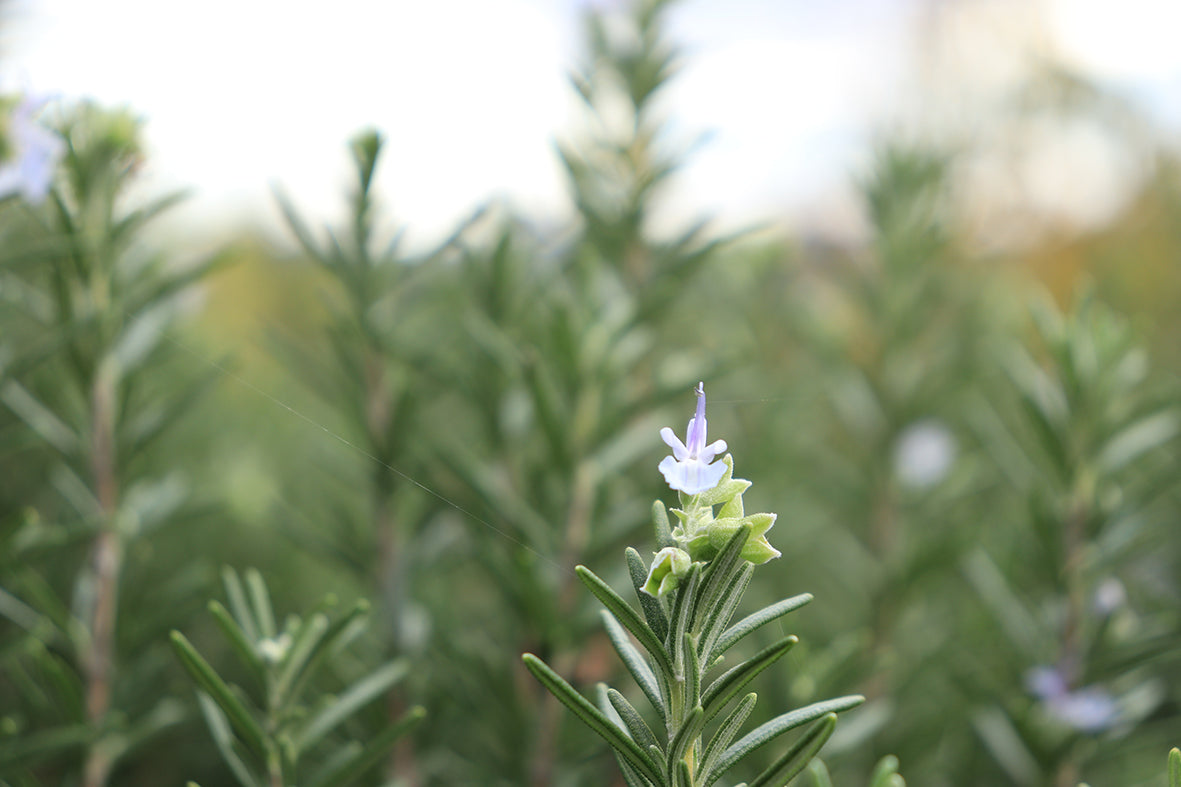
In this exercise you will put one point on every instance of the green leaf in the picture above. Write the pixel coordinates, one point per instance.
(227, 744)
(260, 603)
(1133, 441)
(595, 719)
(769, 731)
(885, 773)
(39, 418)
(692, 671)
(798, 756)
(636, 726)
(372, 752)
(358, 695)
(304, 644)
(725, 733)
(756, 620)
(212, 684)
(819, 774)
(635, 663)
(653, 611)
(626, 616)
(717, 618)
(664, 536)
(1175, 768)
(52, 744)
(685, 736)
(237, 599)
(238, 640)
(728, 685)
(720, 570)
(682, 616)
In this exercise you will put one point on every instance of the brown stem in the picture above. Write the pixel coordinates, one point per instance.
(107, 558)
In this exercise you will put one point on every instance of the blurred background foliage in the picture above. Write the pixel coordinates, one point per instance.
(971, 444)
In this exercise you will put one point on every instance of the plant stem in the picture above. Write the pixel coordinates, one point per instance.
(107, 557)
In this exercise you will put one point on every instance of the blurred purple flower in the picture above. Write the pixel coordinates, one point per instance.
(1089, 709)
(35, 152)
(689, 469)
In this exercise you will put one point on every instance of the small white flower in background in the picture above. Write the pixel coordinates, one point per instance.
(34, 154)
(1089, 709)
(273, 649)
(1109, 596)
(691, 469)
(923, 453)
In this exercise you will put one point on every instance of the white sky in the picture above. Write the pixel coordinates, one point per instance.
(243, 94)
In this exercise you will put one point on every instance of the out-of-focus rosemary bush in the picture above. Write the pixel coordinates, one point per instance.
(1086, 437)
(270, 733)
(90, 385)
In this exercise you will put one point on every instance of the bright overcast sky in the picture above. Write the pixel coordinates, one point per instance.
(242, 94)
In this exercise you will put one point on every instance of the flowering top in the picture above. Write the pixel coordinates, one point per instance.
(691, 469)
(35, 153)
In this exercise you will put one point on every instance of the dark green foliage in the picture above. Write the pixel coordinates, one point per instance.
(673, 676)
(270, 732)
(451, 432)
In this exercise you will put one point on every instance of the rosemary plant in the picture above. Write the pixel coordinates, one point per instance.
(266, 732)
(687, 596)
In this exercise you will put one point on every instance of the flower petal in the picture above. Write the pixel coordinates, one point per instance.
(672, 441)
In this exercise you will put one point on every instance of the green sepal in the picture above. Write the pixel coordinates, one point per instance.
(635, 663)
(758, 619)
(726, 732)
(769, 731)
(626, 616)
(757, 549)
(595, 719)
(727, 489)
(727, 686)
(636, 726)
(653, 611)
(372, 752)
(798, 756)
(212, 684)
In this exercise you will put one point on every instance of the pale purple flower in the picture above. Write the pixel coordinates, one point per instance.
(1089, 709)
(1109, 596)
(691, 469)
(924, 453)
(34, 154)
